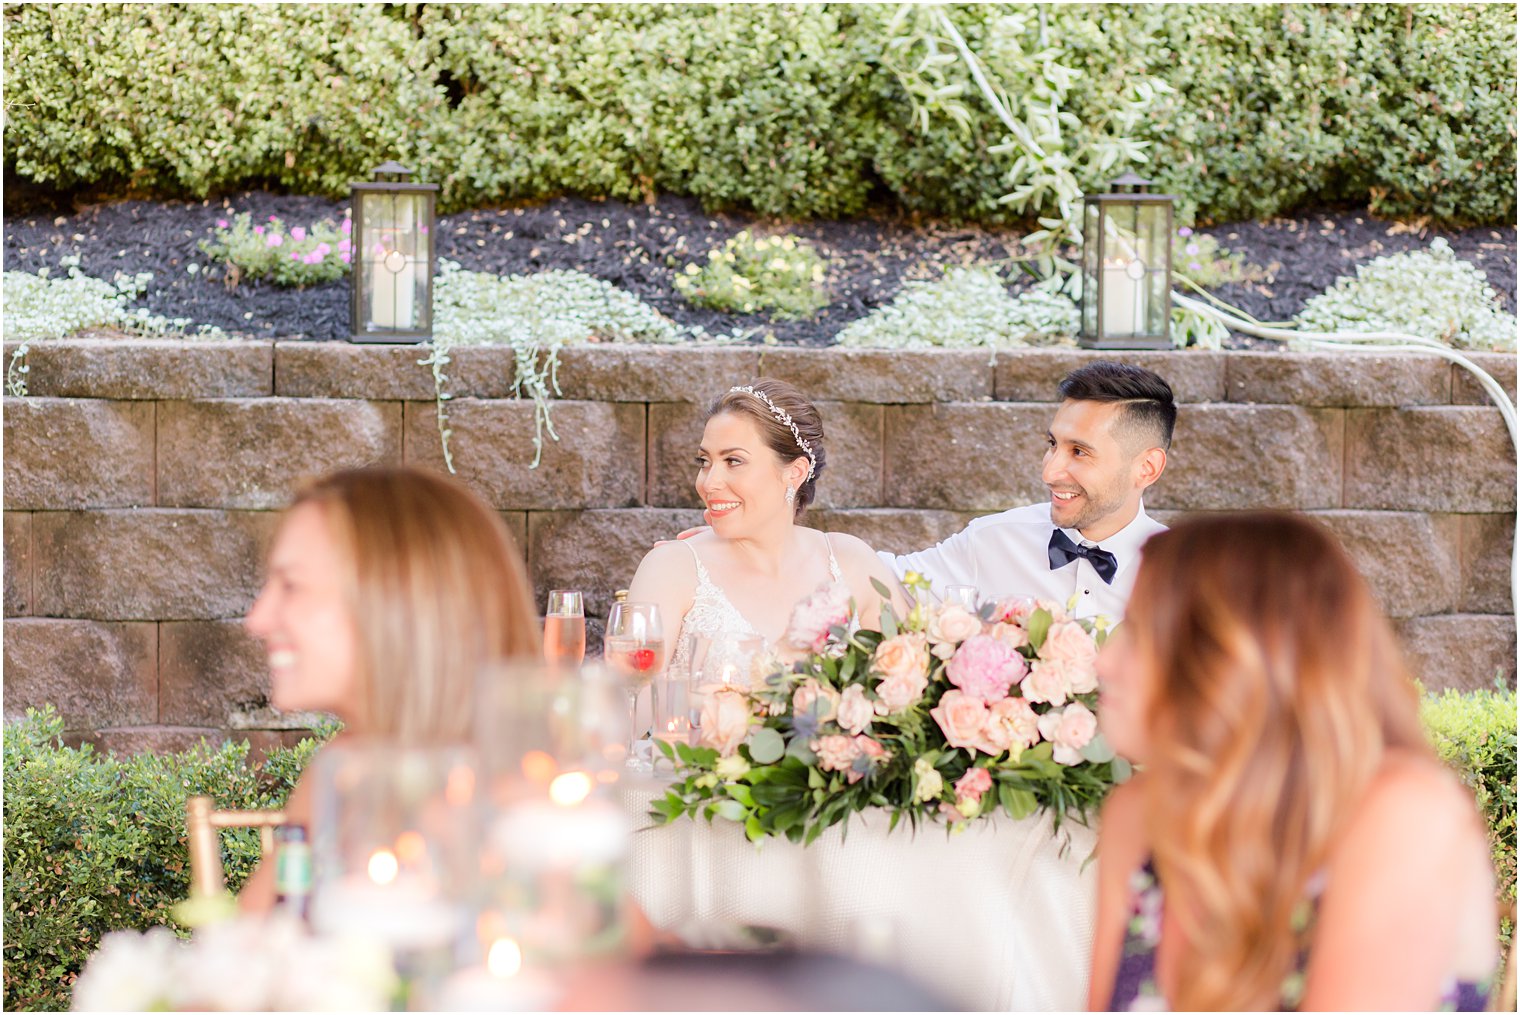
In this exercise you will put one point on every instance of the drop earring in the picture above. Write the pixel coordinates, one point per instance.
(791, 495)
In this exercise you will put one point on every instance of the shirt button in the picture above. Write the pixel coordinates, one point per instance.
(1087, 592)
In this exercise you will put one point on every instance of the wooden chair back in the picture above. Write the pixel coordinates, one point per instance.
(203, 822)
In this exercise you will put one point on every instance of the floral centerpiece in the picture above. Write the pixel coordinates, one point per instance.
(948, 715)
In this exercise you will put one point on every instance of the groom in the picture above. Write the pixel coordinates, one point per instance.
(1107, 445)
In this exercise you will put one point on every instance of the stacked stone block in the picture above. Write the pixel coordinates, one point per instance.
(143, 481)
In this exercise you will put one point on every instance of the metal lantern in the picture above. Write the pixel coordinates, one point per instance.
(393, 257)
(1127, 267)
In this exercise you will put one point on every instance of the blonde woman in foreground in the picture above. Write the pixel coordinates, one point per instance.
(389, 589)
(1313, 851)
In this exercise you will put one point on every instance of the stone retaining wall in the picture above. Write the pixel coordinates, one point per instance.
(143, 480)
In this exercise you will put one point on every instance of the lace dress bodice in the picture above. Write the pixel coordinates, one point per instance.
(714, 616)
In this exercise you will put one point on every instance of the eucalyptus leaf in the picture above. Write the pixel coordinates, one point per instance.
(765, 746)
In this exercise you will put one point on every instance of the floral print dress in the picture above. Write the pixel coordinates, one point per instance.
(1135, 982)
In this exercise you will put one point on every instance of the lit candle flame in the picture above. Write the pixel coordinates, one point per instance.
(505, 958)
(383, 867)
(570, 789)
(411, 847)
(538, 767)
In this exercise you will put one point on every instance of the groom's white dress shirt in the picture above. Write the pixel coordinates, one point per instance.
(1008, 554)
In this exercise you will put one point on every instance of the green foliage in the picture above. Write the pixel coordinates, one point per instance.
(297, 256)
(1474, 733)
(968, 308)
(1428, 293)
(788, 109)
(747, 274)
(95, 843)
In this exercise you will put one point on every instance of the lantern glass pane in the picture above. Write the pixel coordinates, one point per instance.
(1121, 291)
(390, 266)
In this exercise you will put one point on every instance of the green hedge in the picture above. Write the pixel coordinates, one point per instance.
(797, 110)
(95, 844)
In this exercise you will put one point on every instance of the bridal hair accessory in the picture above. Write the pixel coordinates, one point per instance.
(791, 495)
(786, 420)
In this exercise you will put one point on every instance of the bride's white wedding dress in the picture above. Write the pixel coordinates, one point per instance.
(714, 617)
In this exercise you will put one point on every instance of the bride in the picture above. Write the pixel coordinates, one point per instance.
(758, 465)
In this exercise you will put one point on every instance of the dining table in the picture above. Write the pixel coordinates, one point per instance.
(994, 915)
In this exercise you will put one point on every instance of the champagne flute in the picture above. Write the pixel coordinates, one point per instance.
(635, 648)
(565, 629)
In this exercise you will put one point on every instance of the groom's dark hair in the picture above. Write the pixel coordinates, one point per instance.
(1149, 410)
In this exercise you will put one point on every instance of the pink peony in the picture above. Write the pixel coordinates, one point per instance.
(808, 693)
(836, 753)
(953, 624)
(961, 718)
(855, 710)
(814, 616)
(1069, 729)
(973, 784)
(1011, 722)
(1046, 682)
(725, 721)
(985, 668)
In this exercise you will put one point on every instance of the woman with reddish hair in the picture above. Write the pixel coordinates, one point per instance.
(1312, 851)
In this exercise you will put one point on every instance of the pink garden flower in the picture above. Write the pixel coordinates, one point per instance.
(273, 240)
(1010, 723)
(973, 784)
(814, 616)
(347, 226)
(221, 223)
(985, 668)
(836, 753)
(258, 230)
(298, 233)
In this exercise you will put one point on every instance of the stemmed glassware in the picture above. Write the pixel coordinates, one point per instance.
(634, 647)
(565, 629)
(961, 595)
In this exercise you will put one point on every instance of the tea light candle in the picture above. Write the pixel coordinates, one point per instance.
(542, 834)
(403, 914)
(479, 989)
(393, 281)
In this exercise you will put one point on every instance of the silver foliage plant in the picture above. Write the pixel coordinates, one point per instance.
(1430, 293)
(44, 306)
(537, 315)
(968, 308)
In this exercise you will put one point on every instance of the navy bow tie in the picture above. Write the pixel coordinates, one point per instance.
(1063, 551)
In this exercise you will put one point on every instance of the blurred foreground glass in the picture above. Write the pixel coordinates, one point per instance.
(961, 595)
(552, 744)
(565, 629)
(393, 846)
(718, 664)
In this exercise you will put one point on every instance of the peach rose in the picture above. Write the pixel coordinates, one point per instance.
(1011, 722)
(1012, 635)
(1069, 729)
(855, 710)
(902, 656)
(812, 618)
(1046, 682)
(1074, 650)
(871, 754)
(961, 718)
(953, 624)
(725, 721)
(807, 696)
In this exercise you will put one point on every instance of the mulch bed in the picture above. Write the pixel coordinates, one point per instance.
(640, 248)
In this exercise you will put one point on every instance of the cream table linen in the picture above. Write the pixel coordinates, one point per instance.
(998, 917)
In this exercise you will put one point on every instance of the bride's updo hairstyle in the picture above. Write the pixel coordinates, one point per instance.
(776, 408)
(437, 591)
(1279, 688)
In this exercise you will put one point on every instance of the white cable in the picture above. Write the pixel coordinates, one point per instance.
(1382, 341)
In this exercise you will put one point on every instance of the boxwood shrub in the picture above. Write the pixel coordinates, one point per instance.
(786, 109)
